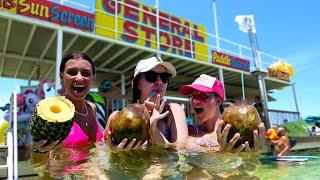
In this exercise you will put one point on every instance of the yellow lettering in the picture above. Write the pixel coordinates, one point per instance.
(25, 6)
(222, 59)
(34, 9)
(44, 11)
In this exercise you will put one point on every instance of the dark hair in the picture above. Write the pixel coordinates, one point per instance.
(136, 93)
(77, 55)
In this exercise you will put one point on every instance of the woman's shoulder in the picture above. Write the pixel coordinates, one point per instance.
(114, 113)
(174, 106)
(92, 105)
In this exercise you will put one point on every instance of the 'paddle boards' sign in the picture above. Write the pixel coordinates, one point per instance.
(230, 61)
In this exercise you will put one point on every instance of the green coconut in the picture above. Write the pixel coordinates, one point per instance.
(131, 122)
(244, 119)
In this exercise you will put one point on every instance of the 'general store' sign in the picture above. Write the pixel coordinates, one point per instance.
(136, 23)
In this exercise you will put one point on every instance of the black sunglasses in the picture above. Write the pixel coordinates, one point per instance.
(152, 76)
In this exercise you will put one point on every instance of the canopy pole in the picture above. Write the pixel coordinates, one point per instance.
(191, 45)
(242, 85)
(263, 98)
(116, 20)
(295, 99)
(262, 85)
(58, 60)
(123, 84)
(216, 24)
(158, 31)
(222, 81)
(15, 136)
(123, 88)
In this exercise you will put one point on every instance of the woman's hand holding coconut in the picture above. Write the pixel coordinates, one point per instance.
(222, 136)
(245, 121)
(259, 139)
(42, 146)
(124, 143)
(228, 144)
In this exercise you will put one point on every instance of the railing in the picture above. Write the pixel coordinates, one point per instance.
(278, 117)
(115, 102)
(8, 149)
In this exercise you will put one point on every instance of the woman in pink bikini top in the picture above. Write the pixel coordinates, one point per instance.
(77, 74)
(85, 129)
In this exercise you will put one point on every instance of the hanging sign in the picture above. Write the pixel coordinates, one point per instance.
(279, 74)
(230, 61)
(56, 13)
(133, 22)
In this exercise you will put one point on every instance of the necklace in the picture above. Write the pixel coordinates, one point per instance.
(86, 112)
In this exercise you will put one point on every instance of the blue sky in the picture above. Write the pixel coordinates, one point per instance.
(286, 29)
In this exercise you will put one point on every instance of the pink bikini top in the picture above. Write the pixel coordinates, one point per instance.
(77, 137)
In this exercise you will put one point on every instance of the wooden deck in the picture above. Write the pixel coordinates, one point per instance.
(312, 142)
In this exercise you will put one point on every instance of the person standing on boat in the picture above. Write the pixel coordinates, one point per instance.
(282, 146)
(207, 94)
(258, 105)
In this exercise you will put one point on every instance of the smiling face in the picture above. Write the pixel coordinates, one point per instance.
(77, 78)
(147, 87)
(205, 106)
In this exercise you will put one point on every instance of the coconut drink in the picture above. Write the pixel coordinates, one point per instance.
(244, 119)
(52, 119)
(131, 122)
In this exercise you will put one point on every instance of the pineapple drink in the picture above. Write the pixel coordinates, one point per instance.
(52, 119)
(131, 122)
(244, 119)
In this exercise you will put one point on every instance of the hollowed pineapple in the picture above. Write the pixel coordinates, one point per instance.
(52, 119)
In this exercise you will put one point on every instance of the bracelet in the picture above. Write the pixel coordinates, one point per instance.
(38, 151)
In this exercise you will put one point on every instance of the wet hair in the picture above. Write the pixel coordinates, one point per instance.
(77, 55)
(136, 92)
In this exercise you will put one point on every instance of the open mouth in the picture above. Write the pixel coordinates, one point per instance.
(198, 110)
(157, 89)
(78, 88)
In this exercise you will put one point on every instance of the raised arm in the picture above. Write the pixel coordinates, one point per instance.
(179, 127)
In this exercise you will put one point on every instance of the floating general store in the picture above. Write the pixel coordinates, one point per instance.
(37, 34)
(119, 33)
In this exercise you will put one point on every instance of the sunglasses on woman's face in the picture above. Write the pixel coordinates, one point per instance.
(152, 76)
(202, 95)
